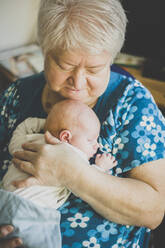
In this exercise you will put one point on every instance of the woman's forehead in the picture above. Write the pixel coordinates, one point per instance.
(76, 57)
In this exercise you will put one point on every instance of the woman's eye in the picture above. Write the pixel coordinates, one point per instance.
(94, 71)
(62, 66)
(65, 68)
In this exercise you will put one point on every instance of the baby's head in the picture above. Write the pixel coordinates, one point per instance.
(75, 123)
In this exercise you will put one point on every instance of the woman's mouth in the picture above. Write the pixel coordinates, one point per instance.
(74, 90)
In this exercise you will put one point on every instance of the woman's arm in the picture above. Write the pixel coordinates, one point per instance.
(136, 200)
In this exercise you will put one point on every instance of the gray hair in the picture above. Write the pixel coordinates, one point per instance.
(90, 25)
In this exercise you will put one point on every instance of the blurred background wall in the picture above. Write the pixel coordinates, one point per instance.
(17, 23)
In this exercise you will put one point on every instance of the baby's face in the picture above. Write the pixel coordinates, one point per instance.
(85, 138)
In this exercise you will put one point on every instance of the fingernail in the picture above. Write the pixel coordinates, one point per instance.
(9, 229)
(18, 242)
(6, 230)
(14, 183)
(14, 162)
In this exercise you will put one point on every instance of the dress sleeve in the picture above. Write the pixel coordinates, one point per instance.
(135, 129)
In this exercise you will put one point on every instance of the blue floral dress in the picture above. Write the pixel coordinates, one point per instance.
(132, 129)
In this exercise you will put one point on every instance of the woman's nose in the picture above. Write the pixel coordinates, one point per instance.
(79, 79)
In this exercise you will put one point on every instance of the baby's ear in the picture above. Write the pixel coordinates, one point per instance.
(65, 136)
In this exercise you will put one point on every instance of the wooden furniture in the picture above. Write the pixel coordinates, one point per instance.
(156, 87)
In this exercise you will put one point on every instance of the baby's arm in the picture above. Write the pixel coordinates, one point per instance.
(25, 132)
(105, 161)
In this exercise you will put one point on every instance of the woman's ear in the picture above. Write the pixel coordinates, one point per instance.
(65, 136)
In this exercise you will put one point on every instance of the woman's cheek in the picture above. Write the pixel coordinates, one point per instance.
(98, 89)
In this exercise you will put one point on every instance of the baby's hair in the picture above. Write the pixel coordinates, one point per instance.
(67, 114)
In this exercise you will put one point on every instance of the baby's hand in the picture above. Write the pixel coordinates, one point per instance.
(105, 161)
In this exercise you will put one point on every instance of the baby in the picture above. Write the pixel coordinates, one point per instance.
(33, 209)
(70, 121)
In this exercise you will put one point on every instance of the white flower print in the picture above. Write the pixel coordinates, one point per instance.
(91, 243)
(159, 134)
(118, 170)
(5, 149)
(125, 105)
(78, 220)
(135, 245)
(3, 111)
(105, 147)
(149, 149)
(105, 123)
(148, 122)
(11, 122)
(8, 92)
(120, 243)
(117, 146)
(6, 163)
(137, 83)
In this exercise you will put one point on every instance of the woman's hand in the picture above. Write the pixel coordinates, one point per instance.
(46, 163)
(38, 160)
(10, 243)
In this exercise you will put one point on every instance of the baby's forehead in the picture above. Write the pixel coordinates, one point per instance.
(88, 115)
(76, 114)
(89, 121)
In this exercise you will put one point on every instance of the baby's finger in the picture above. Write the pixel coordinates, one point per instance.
(108, 155)
(115, 163)
(104, 155)
(113, 158)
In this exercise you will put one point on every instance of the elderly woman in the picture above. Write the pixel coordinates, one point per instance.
(79, 40)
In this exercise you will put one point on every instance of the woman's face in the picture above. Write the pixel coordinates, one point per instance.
(77, 75)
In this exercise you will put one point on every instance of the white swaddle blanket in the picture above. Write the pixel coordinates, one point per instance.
(45, 196)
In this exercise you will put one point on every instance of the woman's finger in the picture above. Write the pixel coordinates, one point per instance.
(25, 155)
(5, 230)
(50, 139)
(30, 181)
(24, 166)
(32, 146)
(11, 243)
